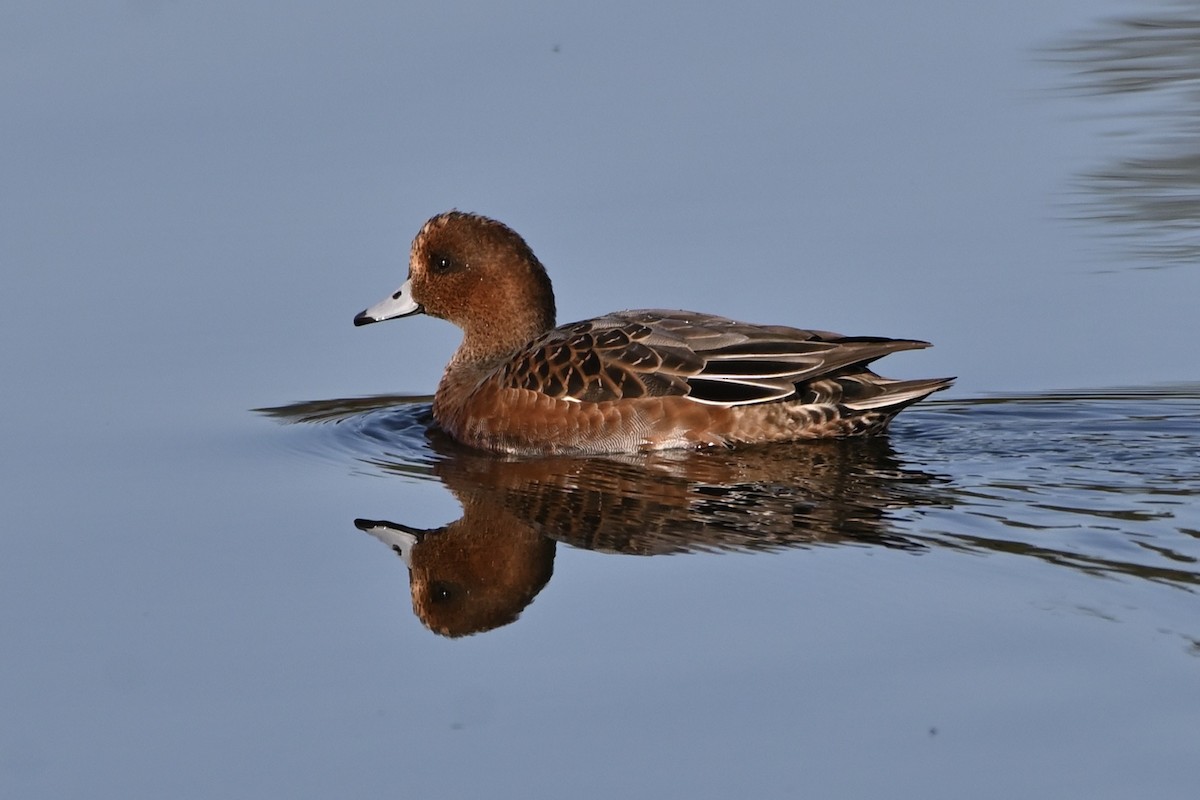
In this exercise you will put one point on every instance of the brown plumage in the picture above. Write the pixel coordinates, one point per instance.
(630, 380)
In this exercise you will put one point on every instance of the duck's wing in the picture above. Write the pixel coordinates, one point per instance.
(709, 359)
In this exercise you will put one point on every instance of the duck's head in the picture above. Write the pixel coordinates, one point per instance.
(477, 273)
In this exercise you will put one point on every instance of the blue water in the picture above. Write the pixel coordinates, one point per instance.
(201, 599)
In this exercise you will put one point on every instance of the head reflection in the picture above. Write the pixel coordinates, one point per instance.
(472, 575)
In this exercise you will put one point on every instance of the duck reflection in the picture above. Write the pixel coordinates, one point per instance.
(1070, 499)
(481, 571)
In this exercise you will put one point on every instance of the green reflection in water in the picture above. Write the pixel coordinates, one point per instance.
(1148, 66)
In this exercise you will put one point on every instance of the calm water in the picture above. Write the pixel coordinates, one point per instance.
(197, 599)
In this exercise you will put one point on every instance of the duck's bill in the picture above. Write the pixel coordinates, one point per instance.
(401, 538)
(399, 304)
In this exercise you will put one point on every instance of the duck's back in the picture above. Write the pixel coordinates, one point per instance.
(655, 379)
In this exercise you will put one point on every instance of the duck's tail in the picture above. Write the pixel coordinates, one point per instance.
(892, 396)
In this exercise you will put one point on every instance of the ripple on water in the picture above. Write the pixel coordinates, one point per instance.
(1105, 482)
(388, 433)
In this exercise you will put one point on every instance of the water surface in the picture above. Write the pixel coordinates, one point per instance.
(996, 600)
(1101, 482)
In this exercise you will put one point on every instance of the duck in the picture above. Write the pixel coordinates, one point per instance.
(627, 381)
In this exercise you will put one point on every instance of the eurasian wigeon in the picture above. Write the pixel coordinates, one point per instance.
(630, 380)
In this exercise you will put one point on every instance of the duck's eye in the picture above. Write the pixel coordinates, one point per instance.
(442, 592)
(440, 264)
